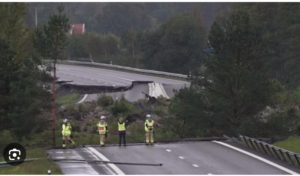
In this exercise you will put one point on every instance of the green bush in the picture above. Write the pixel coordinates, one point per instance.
(6, 137)
(68, 99)
(105, 100)
(122, 107)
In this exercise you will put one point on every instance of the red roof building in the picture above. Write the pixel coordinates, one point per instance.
(77, 29)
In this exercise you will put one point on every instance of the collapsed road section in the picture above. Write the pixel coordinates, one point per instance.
(133, 86)
(137, 90)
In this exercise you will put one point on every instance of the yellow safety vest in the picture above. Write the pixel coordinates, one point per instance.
(66, 129)
(102, 128)
(150, 125)
(121, 126)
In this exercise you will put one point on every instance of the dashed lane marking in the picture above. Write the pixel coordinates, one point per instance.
(195, 165)
(181, 157)
(168, 150)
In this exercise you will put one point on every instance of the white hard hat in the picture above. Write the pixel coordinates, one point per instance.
(148, 115)
(65, 120)
(102, 117)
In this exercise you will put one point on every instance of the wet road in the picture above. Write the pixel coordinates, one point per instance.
(191, 158)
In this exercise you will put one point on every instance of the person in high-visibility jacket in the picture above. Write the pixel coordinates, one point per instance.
(103, 130)
(66, 133)
(149, 123)
(122, 131)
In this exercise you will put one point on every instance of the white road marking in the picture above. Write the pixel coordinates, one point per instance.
(114, 85)
(59, 152)
(181, 157)
(114, 167)
(82, 100)
(59, 157)
(168, 150)
(195, 165)
(209, 174)
(258, 158)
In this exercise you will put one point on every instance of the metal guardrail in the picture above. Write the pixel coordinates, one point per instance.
(123, 68)
(279, 153)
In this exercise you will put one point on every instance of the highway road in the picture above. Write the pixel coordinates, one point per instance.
(188, 158)
(82, 75)
(200, 158)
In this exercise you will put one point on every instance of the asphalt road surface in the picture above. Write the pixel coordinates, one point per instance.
(189, 158)
(82, 75)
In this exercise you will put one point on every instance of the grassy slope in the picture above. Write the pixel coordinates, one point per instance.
(67, 99)
(35, 167)
(291, 144)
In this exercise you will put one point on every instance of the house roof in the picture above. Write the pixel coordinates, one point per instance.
(77, 28)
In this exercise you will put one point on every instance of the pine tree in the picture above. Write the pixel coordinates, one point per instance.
(51, 43)
(236, 84)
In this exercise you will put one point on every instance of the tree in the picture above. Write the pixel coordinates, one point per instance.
(76, 47)
(280, 30)
(235, 84)
(111, 44)
(21, 100)
(187, 114)
(51, 42)
(176, 46)
(94, 45)
(119, 17)
(14, 30)
(129, 39)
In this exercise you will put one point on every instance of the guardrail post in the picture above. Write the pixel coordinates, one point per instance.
(256, 143)
(289, 157)
(267, 147)
(280, 151)
(275, 153)
(246, 141)
(252, 144)
(256, 147)
(297, 159)
(263, 148)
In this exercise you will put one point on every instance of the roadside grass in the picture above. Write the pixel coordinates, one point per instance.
(40, 167)
(67, 99)
(292, 144)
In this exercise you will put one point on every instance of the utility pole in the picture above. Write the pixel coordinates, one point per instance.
(53, 103)
(36, 17)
